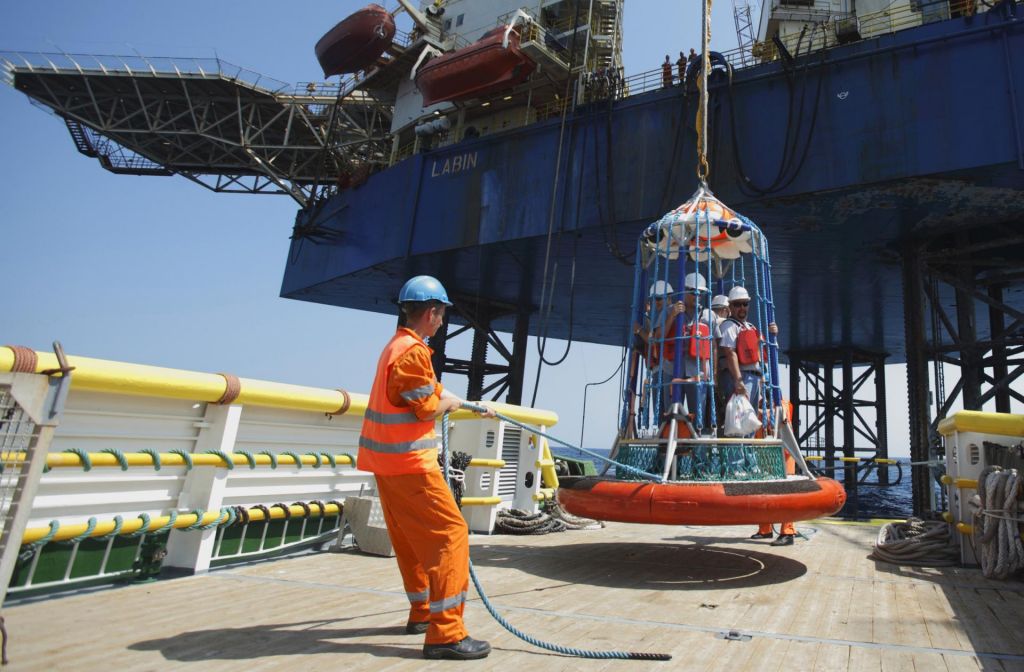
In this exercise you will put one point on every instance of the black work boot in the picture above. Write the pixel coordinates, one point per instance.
(783, 540)
(467, 649)
(761, 535)
(416, 627)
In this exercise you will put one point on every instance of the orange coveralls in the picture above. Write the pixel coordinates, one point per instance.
(787, 528)
(399, 445)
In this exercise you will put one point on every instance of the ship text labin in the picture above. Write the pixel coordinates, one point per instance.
(454, 164)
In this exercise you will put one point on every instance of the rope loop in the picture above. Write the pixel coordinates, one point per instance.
(198, 513)
(185, 456)
(294, 456)
(173, 515)
(264, 510)
(83, 456)
(284, 508)
(249, 457)
(231, 514)
(45, 539)
(155, 456)
(272, 456)
(228, 462)
(119, 454)
(316, 459)
(243, 515)
(320, 505)
(90, 527)
(118, 524)
(351, 459)
(331, 459)
(143, 529)
(306, 513)
(341, 507)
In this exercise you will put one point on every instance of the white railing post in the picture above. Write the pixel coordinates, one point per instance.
(204, 487)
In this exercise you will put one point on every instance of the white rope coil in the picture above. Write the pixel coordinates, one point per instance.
(917, 542)
(997, 523)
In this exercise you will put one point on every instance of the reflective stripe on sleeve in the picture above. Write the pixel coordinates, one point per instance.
(447, 603)
(418, 393)
(390, 418)
(402, 447)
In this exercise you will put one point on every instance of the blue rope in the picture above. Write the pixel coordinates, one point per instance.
(316, 459)
(170, 523)
(249, 457)
(121, 459)
(143, 529)
(273, 458)
(42, 541)
(153, 454)
(294, 456)
(83, 456)
(330, 458)
(228, 462)
(118, 524)
(185, 456)
(89, 528)
(568, 651)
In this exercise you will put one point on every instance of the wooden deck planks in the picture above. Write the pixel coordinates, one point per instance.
(653, 589)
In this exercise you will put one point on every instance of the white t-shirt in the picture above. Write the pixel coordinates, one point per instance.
(730, 330)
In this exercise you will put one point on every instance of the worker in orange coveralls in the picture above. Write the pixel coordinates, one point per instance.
(787, 532)
(399, 445)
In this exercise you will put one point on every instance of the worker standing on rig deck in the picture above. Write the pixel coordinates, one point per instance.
(399, 445)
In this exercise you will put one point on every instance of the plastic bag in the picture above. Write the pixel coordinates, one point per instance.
(740, 417)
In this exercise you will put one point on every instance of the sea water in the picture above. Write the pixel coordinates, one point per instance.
(866, 500)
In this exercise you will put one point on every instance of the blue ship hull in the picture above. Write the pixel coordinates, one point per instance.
(855, 150)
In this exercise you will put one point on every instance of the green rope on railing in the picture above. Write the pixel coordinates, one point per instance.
(42, 541)
(249, 457)
(83, 456)
(316, 459)
(351, 459)
(118, 524)
(89, 529)
(273, 458)
(154, 455)
(228, 462)
(121, 459)
(331, 459)
(232, 515)
(143, 529)
(221, 517)
(170, 523)
(185, 456)
(198, 513)
(294, 456)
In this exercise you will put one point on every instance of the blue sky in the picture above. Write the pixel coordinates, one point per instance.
(160, 271)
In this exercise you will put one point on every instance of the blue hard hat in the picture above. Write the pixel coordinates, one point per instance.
(423, 288)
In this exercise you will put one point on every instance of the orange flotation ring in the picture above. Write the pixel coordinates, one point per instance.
(698, 503)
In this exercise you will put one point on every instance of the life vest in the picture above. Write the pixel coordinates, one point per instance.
(393, 440)
(748, 343)
(697, 334)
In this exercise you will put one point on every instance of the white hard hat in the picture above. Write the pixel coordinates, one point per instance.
(660, 289)
(720, 301)
(738, 294)
(695, 282)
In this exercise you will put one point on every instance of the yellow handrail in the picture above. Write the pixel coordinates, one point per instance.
(100, 375)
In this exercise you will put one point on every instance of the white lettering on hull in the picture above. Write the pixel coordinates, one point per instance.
(454, 164)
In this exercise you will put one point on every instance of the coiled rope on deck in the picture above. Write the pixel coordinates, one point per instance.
(997, 521)
(923, 543)
(565, 650)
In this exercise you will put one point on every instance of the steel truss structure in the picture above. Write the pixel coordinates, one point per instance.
(964, 307)
(478, 316)
(221, 126)
(838, 384)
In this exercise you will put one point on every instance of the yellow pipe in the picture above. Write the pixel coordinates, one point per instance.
(966, 483)
(884, 460)
(547, 471)
(947, 516)
(814, 457)
(486, 463)
(946, 479)
(480, 501)
(544, 494)
(964, 528)
(1005, 424)
(849, 459)
(100, 375)
(54, 460)
(66, 532)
